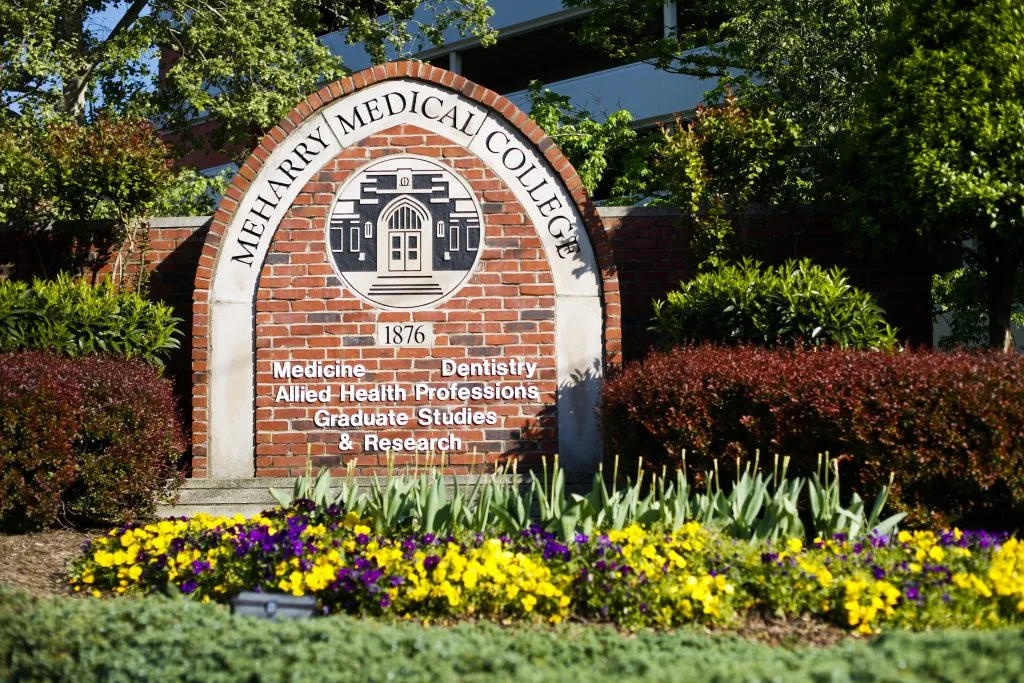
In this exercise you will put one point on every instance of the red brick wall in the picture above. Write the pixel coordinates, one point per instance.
(505, 310)
(652, 252)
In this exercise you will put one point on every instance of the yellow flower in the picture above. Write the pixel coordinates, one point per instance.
(528, 602)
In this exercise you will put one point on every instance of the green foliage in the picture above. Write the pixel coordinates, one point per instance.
(245, 65)
(938, 149)
(83, 186)
(797, 303)
(586, 143)
(806, 61)
(959, 298)
(161, 638)
(191, 193)
(75, 318)
(723, 160)
(756, 507)
(631, 30)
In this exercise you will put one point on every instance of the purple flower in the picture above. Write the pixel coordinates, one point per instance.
(385, 601)
(371, 576)
(396, 580)
(553, 549)
(430, 562)
(913, 592)
(600, 565)
(877, 572)
(581, 539)
(428, 539)
(189, 586)
(199, 567)
(362, 539)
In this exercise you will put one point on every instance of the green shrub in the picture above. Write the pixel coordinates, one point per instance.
(93, 438)
(163, 639)
(796, 303)
(75, 318)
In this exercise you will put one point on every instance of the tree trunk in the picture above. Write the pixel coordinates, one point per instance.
(1001, 266)
(73, 29)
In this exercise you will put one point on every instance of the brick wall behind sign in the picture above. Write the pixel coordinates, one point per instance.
(505, 310)
(652, 253)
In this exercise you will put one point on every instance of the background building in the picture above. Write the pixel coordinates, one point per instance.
(536, 41)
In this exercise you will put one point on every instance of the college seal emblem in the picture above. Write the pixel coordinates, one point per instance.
(405, 232)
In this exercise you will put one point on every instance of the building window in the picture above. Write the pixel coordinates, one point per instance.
(472, 237)
(353, 238)
(454, 243)
(368, 230)
(440, 228)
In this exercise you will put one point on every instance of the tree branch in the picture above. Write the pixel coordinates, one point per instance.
(81, 83)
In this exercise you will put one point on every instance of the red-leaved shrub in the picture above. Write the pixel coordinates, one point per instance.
(949, 425)
(94, 438)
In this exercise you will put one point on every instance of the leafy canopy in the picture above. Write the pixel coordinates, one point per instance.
(939, 150)
(242, 63)
(806, 60)
(586, 143)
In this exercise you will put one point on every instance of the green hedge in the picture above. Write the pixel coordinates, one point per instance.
(77, 319)
(797, 303)
(163, 639)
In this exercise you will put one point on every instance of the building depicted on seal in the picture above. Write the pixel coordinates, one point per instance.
(405, 232)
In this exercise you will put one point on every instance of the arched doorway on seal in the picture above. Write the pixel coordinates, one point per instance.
(403, 225)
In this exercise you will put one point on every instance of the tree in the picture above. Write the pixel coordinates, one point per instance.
(243, 63)
(586, 143)
(806, 61)
(714, 165)
(941, 142)
(77, 191)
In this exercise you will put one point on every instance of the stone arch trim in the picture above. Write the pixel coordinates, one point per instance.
(310, 106)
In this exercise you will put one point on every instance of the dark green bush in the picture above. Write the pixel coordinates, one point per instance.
(75, 318)
(796, 303)
(163, 639)
(92, 438)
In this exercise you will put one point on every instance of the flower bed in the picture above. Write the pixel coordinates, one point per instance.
(631, 577)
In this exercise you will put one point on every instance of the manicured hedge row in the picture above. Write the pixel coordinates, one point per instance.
(163, 639)
(949, 425)
(90, 437)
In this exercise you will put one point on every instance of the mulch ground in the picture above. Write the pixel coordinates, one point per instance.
(37, 563)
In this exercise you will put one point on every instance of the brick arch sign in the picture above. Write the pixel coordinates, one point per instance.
(405, 264)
